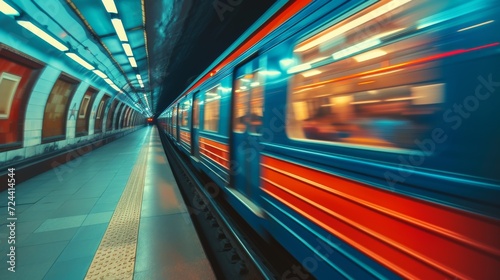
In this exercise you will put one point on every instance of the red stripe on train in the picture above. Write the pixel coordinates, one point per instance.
(186, 137)
(216, 151)
(414, 238)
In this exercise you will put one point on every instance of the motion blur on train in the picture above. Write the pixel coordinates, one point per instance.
(363, 136)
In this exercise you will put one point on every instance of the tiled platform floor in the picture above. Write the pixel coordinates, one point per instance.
(63, 215)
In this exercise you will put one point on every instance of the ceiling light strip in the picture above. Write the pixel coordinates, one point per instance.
(80, 60)
(99, 41)
(42, 35)
(110, 6)
(132, 61)
(120, 30)
(127, 49)
(8, 9)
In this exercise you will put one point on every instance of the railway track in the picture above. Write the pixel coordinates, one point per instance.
(234, 249)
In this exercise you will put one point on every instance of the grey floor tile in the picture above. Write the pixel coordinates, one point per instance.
(34, 271)
(47, 237)
(80, 249)
(90, 232)
(33, 254)
(69, 269)
(98, 218)
(61, 223)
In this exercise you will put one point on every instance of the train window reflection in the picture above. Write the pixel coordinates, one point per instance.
(184, 113)
(196, 112)
(174, 117)
(371, 79)
(249, 103)
(211, 114)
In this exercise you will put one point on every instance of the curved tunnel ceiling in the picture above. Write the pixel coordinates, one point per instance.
(169, 42)
(187, 38)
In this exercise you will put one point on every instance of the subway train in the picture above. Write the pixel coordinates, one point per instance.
(363, 136)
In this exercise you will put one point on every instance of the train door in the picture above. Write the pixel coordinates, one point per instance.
(248, 99)
(195, 126)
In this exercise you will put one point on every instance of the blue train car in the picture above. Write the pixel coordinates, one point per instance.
(362, 135)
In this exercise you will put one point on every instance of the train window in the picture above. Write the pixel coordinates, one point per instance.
(248, 110)
(364, 81)
(174, 116)
(196, 112)
(184, 113)
(212, 106)
(8, 87)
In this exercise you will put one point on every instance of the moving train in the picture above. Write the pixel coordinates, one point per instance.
(361, 135)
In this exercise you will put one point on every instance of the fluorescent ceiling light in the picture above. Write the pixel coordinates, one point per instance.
(108, 81)
(42, 34)
(128, 49)
(317, 59)
(116, 88)
(110, 6)
(365, 102)
(132, 61)
(311, 73)
(120, 30)
(270, 72)
(349, 25)
(385, 34)
(477, 25)
(298, 68)
(369, 55)
(138, 76)
(356, 48)
(80, 61)
(100, 73)
(8, 9)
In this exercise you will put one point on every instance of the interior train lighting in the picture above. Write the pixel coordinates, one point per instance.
(8, 9)
(298, 68)
(384, 9)
(42, 34)
(369, 55)
(80, 60)
(270, 72)
(311, 73)
(476, 25)
(356, 48)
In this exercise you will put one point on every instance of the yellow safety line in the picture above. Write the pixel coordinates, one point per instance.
(115, 257)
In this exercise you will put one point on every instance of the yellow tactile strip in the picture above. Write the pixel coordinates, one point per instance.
(115, 257)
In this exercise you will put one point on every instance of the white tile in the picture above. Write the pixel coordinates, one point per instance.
(38, 98)
(43, 85)
(30, 151)
(18, 153)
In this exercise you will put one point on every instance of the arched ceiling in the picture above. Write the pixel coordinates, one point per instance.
(171, 41)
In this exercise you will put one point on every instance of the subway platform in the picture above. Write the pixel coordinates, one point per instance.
(114, 213)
